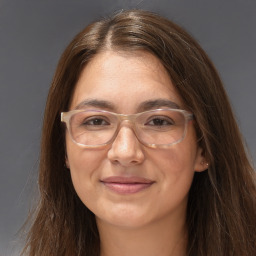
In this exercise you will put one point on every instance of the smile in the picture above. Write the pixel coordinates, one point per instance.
(126, 185)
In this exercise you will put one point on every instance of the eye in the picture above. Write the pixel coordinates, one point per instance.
(95, 121)
(160, 121)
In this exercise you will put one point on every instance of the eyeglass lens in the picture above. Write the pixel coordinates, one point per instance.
(153, 127)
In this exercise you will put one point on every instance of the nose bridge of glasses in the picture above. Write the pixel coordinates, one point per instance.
(126, 121)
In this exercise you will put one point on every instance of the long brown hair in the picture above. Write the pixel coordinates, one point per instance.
(221, 212)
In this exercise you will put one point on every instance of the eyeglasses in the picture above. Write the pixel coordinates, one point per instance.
(158, 128)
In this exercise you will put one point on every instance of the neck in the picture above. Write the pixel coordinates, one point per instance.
(167, 237)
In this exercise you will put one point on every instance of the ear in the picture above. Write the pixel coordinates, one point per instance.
(67, 162)
(201, 163)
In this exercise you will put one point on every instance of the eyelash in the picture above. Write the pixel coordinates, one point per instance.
(89, 121)
(167, 121)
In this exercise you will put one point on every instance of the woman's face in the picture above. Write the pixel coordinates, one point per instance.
(103, 177)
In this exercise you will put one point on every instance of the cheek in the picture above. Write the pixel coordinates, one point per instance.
(176, 160)
(183, 157)
(179, 176)
(82, 160)
(83, 163)
(176, 167)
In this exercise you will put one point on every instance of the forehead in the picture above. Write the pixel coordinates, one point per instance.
(125, 80)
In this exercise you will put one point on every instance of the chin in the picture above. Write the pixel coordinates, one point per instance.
(125, 219)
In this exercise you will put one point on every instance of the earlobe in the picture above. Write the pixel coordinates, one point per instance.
(201, 163)
(67, 162)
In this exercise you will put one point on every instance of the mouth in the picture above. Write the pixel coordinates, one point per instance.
(127, 185)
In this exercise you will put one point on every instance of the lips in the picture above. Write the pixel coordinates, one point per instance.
(126, 185)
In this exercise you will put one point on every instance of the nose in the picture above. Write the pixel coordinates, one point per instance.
(126, 149)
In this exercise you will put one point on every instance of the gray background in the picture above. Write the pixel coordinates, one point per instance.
(34, 33)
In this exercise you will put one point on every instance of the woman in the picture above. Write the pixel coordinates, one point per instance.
(141, 154)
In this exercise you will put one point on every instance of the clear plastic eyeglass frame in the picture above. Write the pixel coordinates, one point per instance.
(66, 118)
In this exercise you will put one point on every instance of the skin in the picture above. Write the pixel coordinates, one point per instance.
(151, 221)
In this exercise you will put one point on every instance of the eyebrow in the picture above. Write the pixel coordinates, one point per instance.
(96, 103)
(157, 103)
(144, 106)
